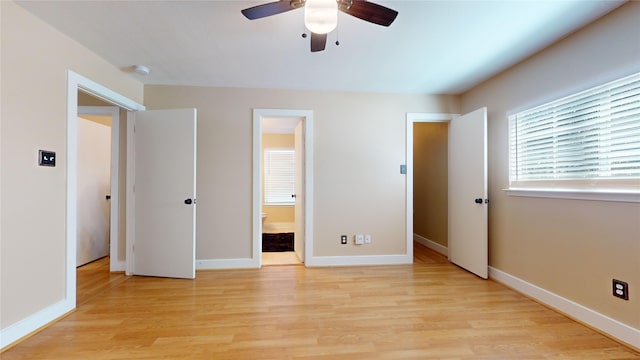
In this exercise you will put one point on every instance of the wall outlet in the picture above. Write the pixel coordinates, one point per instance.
(620, 289)
(359, 239)
(343, 239)
(367, 239)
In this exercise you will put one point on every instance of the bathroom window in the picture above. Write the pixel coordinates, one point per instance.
(279, 176)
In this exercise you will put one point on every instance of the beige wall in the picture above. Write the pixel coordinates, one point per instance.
(100, 119)
(570, 247)
(85, 99)
(430, 181)
(35, 60)
(359, 144)
(278, 214)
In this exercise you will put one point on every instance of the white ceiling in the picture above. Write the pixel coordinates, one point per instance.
(433, 47)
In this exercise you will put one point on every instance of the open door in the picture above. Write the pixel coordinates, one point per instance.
(468, 202)
(298, 235)
(164, 173)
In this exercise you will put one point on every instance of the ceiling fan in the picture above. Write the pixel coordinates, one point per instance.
(321, 16)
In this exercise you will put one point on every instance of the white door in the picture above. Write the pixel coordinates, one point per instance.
(164, 193)
(468, 208)
(298, 234)
(94, 183)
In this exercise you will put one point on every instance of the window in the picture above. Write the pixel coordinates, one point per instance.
(279, 177)
(589, 140)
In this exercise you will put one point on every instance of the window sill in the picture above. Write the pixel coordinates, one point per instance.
(618, 195)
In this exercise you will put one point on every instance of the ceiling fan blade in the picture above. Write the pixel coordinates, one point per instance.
(268, 9)
(318, 42)
(369, 11)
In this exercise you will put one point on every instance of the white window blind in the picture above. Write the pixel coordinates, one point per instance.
(279, 177)
(591, 135)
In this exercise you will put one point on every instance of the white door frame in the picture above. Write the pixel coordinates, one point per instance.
(114, 112)
(307, 118)
(77, 82)
(411, 119)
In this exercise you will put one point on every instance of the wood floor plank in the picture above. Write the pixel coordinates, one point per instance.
(429, 310)
(94, 278)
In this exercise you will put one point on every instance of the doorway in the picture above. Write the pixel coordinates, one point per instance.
(279, 175)
(77, 84)
(441, 121)
(467, 198)
(97, 225)
(100, 112)
(94, 188)
(285, 223)
(430, 190)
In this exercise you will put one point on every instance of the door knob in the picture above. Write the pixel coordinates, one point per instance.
(478, 201)
(188, 201)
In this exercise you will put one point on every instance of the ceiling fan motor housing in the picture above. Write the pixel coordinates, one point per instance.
(361, 9)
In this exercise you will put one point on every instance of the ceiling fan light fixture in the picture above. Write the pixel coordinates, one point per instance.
(321, 16)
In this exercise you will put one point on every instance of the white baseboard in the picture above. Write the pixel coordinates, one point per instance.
(316, 261)
(220, 264)
(34, 322)
(603, 323)
(116, 266)
(358, 260)
(431, 244)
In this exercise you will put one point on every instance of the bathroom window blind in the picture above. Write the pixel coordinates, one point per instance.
(279, 177)
(586, 137)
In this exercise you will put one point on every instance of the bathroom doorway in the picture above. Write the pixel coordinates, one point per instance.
(278, 212)
(282, 195)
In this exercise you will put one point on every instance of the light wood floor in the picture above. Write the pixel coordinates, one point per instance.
(94, 278)
(428, 310)
(280, 258)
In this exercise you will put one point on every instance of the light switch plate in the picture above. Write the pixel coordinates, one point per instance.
(46, 158)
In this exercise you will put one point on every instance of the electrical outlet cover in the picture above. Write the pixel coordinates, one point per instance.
(620, 289)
